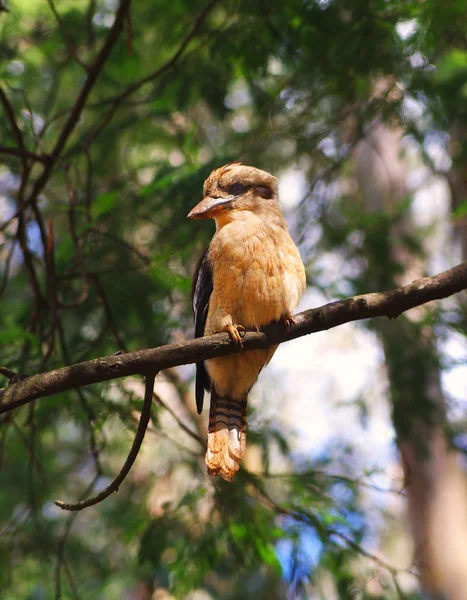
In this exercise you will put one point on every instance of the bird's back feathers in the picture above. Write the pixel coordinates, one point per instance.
(200, 293)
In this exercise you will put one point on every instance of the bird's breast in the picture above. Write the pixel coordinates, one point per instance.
(258, 276)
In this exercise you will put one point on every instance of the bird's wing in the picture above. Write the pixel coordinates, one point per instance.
(200, 294)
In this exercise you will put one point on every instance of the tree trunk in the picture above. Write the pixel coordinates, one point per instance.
(457, 179)
(435, 484)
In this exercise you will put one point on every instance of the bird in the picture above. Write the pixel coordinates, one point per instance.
(250, 275)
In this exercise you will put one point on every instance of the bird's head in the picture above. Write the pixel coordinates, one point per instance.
(233, 191)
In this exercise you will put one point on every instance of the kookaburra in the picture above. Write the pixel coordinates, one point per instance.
(250, 275)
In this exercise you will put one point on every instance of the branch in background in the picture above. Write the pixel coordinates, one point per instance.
(15, 130)
(129, 35)
(23, 153)
(115, 101)
(71, 49)
(170, 63)
(72, 198)
(6, 267)
(93, 73)
(139, 437)
(8, 373)
(51, 289)
(389, 304)
(21, 229)
(297, 513)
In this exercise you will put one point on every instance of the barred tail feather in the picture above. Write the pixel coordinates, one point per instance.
(226, 435)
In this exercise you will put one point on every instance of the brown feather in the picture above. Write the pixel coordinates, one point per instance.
(258, 277)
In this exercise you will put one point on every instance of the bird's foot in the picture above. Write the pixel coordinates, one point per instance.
(288, 321)
(236, 333)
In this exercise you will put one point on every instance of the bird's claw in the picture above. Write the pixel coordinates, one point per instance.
(241, 330)
(288, 321)
(236, 333)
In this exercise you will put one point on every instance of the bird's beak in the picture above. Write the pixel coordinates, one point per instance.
(210, 207)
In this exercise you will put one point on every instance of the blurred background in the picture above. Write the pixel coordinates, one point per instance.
(113, 114)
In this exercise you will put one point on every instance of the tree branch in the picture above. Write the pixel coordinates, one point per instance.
(139, 437)
(167, 65)
(94, 71)
(390, 304)
(115, 100)
(71, 49)
(10, 116)
(23, 153)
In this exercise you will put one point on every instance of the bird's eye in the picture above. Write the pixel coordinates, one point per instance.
(236, 189)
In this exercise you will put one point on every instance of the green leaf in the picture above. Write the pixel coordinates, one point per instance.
(103, 204)
(460, 212)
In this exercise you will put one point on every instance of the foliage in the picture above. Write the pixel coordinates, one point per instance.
(99, 260)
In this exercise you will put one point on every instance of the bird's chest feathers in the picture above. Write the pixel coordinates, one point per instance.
(253, 275)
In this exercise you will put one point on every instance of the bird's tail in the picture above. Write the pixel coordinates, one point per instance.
(226, 436)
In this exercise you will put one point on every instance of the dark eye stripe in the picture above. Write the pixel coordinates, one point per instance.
(264, 191)
(236, 189)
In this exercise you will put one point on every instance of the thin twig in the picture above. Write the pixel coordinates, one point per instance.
(73, 118)
(181, 447)
(6, 423)
(23, 153)
(40, 469)
(62, 542)
(355, 481)
(301, 515)
(85, 406)
(30, 112)
(180, 423)
(129, 35)
(108, 312)
(167, 65)
(21, 230)
(8, 373)
(139, 437)
(115, 101)
(71, 191)
(16, 131)
(52, 288)
(71, 49)
(89, 174)
(4, 226)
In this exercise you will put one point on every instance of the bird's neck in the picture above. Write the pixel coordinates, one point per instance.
(246, 218)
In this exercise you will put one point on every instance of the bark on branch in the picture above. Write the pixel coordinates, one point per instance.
(389, 304)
